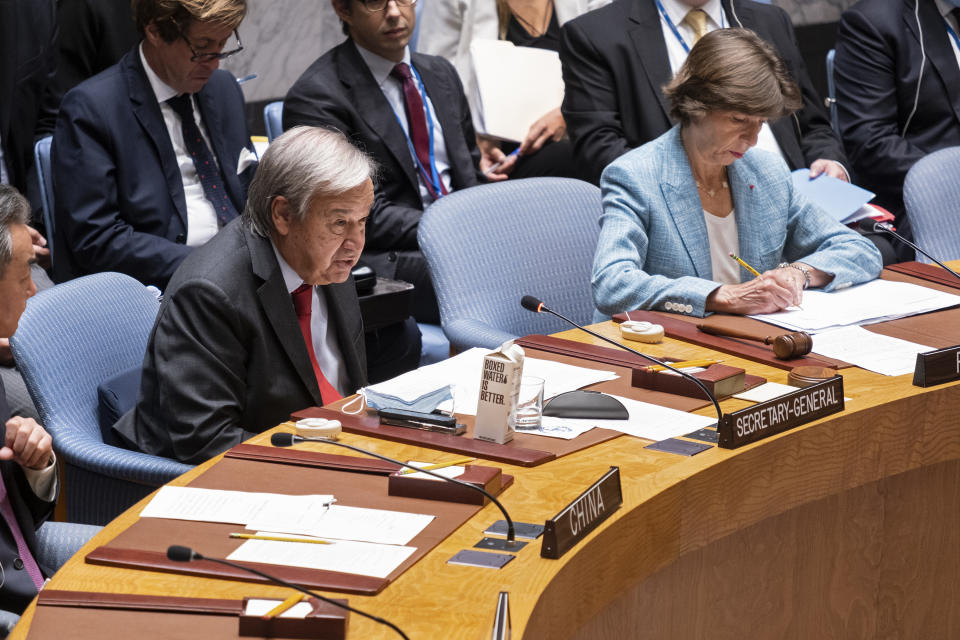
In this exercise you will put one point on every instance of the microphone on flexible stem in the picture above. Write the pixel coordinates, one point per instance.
(284, 439)
(533, 304)
(179, 553)
(882, 227)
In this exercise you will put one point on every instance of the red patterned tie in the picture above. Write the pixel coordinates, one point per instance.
(29, 563)
(302, 299)
(417, 124)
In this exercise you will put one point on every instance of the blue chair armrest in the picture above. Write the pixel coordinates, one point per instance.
(130, 466)
(466, 333)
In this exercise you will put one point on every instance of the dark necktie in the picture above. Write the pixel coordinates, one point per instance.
(302, 299)
(213, 187)
(417, 124)
(23, 551)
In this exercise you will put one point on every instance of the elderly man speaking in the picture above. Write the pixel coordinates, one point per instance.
(263, 319)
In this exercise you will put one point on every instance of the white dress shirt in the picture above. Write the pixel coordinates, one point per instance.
(392, 89)
(201, 216)
(322, 329)
(716, 19)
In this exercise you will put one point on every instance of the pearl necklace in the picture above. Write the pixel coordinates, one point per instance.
(723, 186)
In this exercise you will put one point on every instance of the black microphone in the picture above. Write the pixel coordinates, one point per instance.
(179, 553)
(534, 304)
(284, 439)
(870, 225)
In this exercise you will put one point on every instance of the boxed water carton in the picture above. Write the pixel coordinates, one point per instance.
(499, 388)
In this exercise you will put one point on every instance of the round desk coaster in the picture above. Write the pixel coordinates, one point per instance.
(318, 428)
(806, 376)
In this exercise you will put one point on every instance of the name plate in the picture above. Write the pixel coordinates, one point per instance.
(781, 414)
(937, 367)
(583, 515)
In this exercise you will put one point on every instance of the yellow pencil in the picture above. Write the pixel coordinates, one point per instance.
(253, 536)
(283, 606)
(683, 364)
(745, 265)
(439, 465)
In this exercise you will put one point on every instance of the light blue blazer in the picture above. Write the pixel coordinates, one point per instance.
(654, 253)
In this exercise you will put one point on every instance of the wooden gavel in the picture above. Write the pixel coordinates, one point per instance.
(785, 346)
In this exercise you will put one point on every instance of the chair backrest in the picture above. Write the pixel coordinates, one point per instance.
(273, 119)
(74, 336)
(41, 156)
(832, 93)
(489, 245)
(931, 193)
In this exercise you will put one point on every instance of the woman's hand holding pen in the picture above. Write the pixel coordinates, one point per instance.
(774, 290)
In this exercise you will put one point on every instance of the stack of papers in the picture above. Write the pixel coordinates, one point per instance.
(867, 350)
(646, 420)
(463, 371)
(868, 303)
(361, 541)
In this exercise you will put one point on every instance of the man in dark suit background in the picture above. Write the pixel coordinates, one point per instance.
(889, 114)
(227, 357)
(152, 157)
(354, 88)
(28, 476)
(617, 58)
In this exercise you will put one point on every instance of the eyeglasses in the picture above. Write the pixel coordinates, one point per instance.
(210, 57)
(379, 5)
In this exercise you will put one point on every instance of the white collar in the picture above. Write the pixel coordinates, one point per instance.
(291, 279)
(380, 67)
(161, 89)
(678, 10)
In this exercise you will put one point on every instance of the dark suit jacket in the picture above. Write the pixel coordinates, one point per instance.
(338, 91)
(94, 34)
(18, 589)
(877, 71)
(615, 63)
(28, 59)
(119, 195)
(226, 358)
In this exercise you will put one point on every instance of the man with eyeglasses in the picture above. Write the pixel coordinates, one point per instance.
(409, 111)
(152, 157)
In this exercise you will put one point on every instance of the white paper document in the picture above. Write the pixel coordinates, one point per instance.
(650, 421)
(463, 371)
(231, 507)
(867, 350)
(360, 524)
(766, 391)
(871, 302)
(517, 86)
(343, 556)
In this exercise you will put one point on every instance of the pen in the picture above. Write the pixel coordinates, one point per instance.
(684, 363)
(500, 164)
(254, 536)
(246, 78)
(744, 264)
(283, 606)
(440, 465)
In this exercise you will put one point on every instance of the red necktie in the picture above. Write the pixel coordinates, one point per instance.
(417, 124)
(302, 299)
(23, 551)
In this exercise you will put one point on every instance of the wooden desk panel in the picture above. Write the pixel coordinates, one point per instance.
(847, 527)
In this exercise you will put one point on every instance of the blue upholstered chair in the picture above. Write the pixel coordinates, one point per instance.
(931, 193)
(487, 246)
(41, 156)
(56, 543)
(273, 119)
(832, 93)
(72, 338)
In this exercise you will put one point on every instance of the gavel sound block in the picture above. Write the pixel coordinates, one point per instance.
(785, 346)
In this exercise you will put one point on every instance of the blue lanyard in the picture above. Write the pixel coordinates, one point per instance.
(953, 34)
(673, 27)
(433, 177)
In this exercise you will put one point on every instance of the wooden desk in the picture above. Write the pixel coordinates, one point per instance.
(847, 527)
